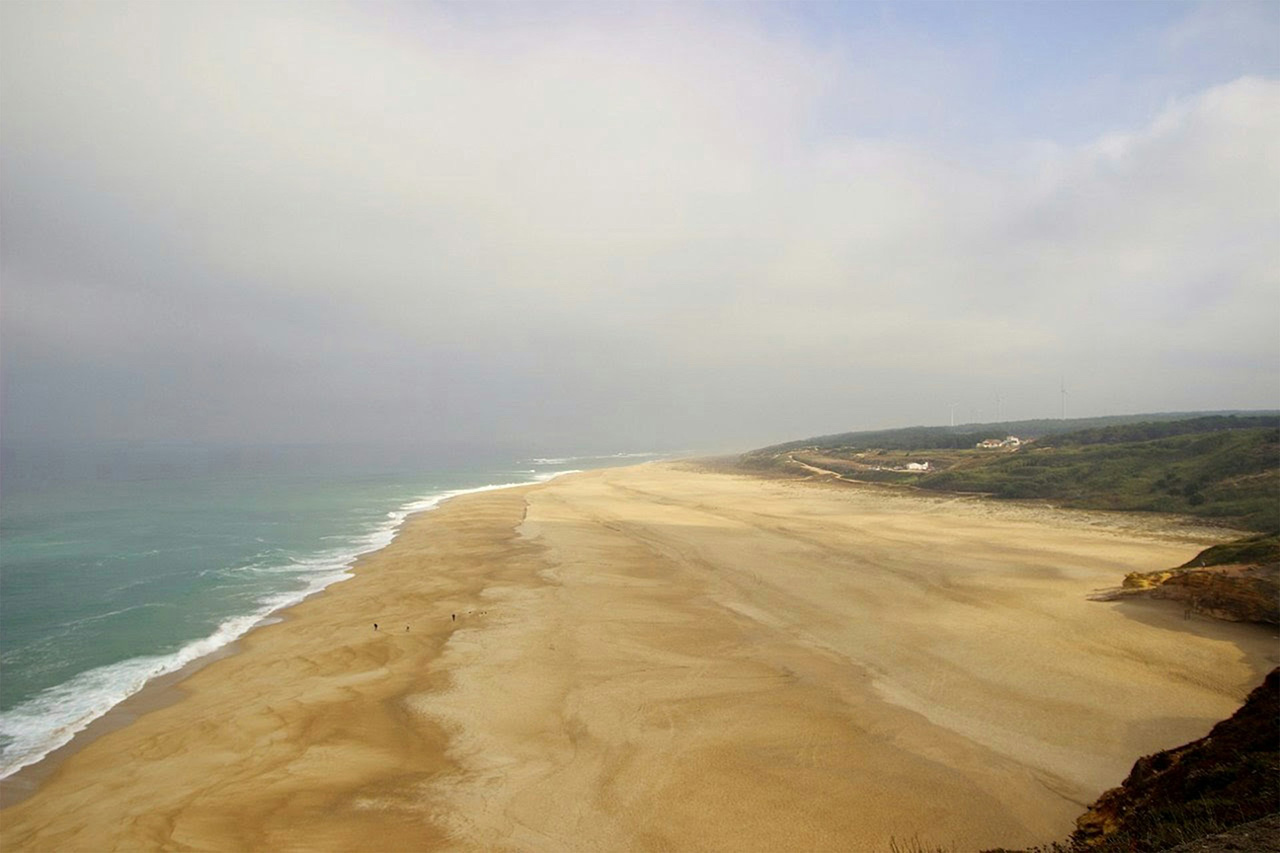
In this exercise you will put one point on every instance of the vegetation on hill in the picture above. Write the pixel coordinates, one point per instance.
(1220, 467)
(1261, 550)
(967, 435)
(1151, 430)
(1233, 476)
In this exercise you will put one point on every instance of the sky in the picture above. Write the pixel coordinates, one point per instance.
(630, 226)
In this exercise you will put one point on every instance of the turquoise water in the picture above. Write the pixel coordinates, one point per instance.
(109, 580)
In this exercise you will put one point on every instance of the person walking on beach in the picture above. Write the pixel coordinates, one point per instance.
(375, 626)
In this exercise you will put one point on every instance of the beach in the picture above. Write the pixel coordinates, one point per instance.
(666, 657)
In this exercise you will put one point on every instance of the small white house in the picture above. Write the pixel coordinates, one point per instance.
(918, 466)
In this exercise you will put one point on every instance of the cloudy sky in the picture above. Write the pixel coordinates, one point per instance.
(630, 226)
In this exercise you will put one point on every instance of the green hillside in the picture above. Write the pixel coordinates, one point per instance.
(1087, 430)
(1220, 467)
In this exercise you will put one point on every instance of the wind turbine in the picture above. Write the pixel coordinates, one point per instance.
(1064, 398)
(999, 408)
(953, 413)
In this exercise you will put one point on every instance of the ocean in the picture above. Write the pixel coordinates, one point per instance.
(119, 567)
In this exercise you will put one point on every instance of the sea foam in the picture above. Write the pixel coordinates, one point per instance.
(51, 718)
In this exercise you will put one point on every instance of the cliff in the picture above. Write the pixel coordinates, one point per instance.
(1238, 581)
(1229, 777)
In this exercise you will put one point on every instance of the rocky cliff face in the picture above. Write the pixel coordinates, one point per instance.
(1238, 581)
(1234, 593)
(1229, 777)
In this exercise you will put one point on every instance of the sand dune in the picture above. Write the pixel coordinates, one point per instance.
(671, 659)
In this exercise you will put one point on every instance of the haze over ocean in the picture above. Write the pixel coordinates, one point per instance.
(119, 566)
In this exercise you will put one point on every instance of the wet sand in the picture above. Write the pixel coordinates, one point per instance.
(671, 659)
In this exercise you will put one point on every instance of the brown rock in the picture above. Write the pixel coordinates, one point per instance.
(1236, 593)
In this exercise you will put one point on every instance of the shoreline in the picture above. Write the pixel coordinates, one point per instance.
(439, 725)
(165, 689)
(160, 692)
(176, 691)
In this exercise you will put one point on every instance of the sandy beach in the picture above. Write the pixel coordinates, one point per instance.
(669, 658)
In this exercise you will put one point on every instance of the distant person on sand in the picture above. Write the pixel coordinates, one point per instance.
(375, 626)
(453, 617)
